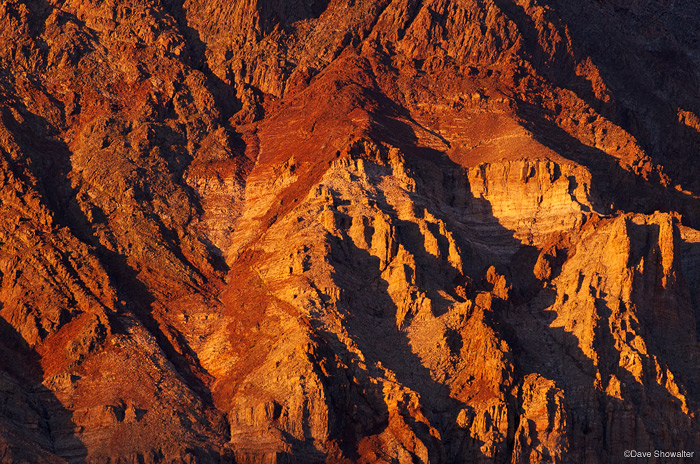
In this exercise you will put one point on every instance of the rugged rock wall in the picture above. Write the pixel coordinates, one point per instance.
(348, 230)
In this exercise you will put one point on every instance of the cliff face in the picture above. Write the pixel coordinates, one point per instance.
(349, 230)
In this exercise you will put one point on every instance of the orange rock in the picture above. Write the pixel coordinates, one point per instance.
(348, 231)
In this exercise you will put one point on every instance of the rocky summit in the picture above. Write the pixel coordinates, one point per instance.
(349, 231)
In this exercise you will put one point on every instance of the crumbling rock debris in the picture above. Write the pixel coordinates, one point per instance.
(371, 231)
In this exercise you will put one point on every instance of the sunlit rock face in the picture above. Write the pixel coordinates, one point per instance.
(349, 231)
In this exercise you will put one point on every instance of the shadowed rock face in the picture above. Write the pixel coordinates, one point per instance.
(349, 230)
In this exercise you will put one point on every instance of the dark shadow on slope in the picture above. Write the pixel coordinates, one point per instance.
(443, 179)
(36, 423)
(270, 16)
(356, 406)
(646, 58)
(649, 82)
(372, 325)
(555, 353)
(613, 188)
(690, 263)
(372, 313)
(49, 162)
(525, 326)
(39, 12)
(285, 12)
(665, 307)
(224, 94)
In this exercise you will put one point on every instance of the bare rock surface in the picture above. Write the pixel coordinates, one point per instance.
(372, 231)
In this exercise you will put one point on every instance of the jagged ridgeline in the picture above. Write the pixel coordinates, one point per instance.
(349, 231)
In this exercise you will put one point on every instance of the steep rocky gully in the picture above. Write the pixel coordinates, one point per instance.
(372, 231)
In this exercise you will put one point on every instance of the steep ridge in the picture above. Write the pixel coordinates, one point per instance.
(348, 230)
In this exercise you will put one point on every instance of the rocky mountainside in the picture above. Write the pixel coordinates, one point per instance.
(349, 231)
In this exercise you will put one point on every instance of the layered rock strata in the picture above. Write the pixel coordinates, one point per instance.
(348, 231)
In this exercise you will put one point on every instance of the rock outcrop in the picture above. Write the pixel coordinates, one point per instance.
(348, 231)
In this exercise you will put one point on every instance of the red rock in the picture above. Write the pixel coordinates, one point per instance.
(348, 231)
